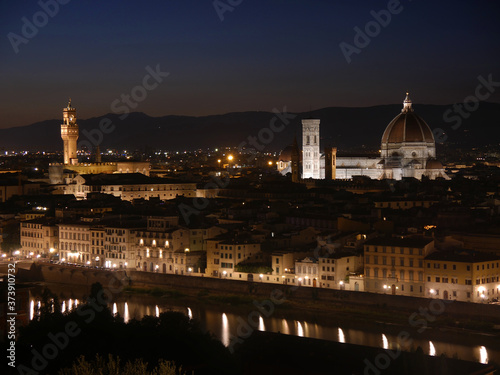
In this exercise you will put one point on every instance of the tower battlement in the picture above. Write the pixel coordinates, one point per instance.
(69, 134)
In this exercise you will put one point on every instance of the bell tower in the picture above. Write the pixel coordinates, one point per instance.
(69, 134)
(310, 148)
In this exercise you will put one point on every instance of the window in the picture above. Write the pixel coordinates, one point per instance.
(402, 261)
(438, 279)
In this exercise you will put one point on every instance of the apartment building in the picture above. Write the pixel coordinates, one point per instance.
(462, 275)
(306, 272)
(39, 238)
(75, 242)
(395, 265)
(224, 252)
(97, 254)
(164, 247)
(336, 268)
(119, 245)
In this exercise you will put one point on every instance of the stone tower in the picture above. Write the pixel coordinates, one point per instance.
(69, 134)
(310, 148)
(330, 163)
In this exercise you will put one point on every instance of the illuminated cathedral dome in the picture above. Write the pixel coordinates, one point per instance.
(408, 139)
(407, 127)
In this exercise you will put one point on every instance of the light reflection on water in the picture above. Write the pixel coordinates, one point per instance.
(432, 349)
(225, 330)
(483, 355)
(300, 330)
(227, 324)
(261, 324)
(341, 336)
(285, 328)
(126, 315)
(385, 342)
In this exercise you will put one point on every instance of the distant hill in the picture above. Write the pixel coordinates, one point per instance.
(344, 128)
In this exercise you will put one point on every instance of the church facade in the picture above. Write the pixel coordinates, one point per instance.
(408, 149)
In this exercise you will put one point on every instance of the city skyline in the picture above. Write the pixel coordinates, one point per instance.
(215, 58)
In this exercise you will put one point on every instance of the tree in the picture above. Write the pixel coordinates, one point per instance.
(113, 366)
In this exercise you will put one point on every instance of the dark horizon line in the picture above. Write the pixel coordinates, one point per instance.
(248, 111)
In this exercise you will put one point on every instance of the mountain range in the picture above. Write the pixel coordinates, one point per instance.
(346, 128)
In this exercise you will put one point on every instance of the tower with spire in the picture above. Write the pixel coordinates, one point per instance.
(69, 134)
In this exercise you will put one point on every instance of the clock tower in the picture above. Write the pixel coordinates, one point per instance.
(69, 134)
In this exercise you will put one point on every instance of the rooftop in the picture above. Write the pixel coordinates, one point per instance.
(462, 255)
(413, 241)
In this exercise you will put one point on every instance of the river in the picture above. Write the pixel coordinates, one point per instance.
(226, 322)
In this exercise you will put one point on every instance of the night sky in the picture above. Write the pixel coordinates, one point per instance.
(262, 55)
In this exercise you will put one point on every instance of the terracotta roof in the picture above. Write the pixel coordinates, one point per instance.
(407, 127)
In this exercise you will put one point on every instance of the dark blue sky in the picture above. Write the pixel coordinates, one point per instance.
(264, 54)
